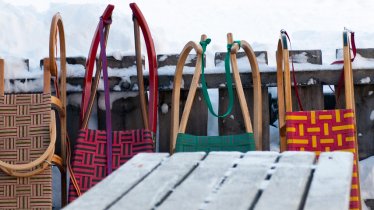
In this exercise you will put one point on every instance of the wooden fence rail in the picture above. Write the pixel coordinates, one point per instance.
(311, 79)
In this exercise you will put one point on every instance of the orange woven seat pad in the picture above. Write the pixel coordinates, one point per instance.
(24, 136)
(323, 131)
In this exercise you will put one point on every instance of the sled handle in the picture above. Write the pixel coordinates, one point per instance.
(177, 127)
(257, 91)
(150, 118)
(89, 86)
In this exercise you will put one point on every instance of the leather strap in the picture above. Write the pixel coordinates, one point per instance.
(293, 75)
(152, 65)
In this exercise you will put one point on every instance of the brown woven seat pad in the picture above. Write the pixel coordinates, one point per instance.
(24, 136)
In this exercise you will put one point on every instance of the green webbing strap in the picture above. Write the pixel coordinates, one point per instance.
(228, 79)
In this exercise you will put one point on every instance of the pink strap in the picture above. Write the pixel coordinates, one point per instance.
(108, 115)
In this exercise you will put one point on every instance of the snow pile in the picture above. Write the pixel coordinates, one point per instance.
(114, 97)
(367, 178)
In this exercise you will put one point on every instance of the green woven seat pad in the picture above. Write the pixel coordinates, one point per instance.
(191, 143)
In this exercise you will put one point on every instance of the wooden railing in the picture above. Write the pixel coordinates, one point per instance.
(126, 109)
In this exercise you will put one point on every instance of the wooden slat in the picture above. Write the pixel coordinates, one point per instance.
(119, 182)
(287, 184)
(311, 97)
(193, 191)
(164, 120)
(72, 114)
(242, 185)
(126, 112)
(153, 188)
(198, 119)
(233, 123)
(364, 101)
(327, 191)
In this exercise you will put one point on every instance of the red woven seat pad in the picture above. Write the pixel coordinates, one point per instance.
(24, 137)
(323, 131)
(89, 158)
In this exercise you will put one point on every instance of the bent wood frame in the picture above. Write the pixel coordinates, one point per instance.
(89, 86)
(284, 89)
(257, 91)
(180, 127)
(150, 118)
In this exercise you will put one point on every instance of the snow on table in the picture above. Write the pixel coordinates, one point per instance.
(225, 180)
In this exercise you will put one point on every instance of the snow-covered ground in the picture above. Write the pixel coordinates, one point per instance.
(312, 24)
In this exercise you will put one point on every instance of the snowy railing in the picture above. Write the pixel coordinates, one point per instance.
(313, 78)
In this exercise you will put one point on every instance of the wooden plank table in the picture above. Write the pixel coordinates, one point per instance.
(225, 180)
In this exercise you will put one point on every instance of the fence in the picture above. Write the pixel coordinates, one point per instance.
(311, 78)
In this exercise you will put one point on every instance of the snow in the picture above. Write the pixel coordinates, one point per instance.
(372, 115)
(365, 80)
(114, 96)
(311, 81)
(74, 99)
(367, 178)
(163, 58)
(274, 137)
(164, 108)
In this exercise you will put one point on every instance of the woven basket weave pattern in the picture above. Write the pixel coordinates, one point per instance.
(24, 136)
(322, 131)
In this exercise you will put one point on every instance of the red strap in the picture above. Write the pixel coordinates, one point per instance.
(293, 75)
(341, 77)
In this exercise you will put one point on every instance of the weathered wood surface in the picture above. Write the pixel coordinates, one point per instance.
(325, 193)
(245, 180)
(161, 182)
(287, 193)
(225, 180)
(311, 98)
(201, 182)
(119, 182)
